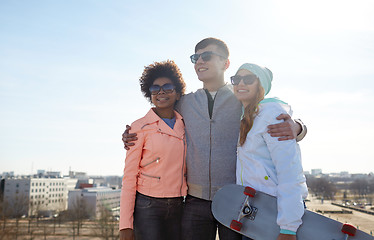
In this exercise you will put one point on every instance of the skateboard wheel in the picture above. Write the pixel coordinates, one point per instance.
(236, 225)
(249, 191)
(349, 229)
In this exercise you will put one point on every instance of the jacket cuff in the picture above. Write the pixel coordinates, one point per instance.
(289, 232)
(303, 130)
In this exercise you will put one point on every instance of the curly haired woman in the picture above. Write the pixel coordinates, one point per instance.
(154, 181)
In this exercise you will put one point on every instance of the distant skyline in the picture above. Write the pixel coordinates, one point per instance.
(310, 171)
(69, 73)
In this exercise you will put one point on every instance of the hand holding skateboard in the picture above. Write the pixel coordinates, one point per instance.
(253, 214)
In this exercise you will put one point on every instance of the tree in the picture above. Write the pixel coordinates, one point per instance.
(321, 187)
(77, 212)
(15, 206)
(5, 213)
(105, 225)
(360, 187)
(19, 205)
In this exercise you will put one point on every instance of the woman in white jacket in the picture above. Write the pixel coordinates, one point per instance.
(263, 162)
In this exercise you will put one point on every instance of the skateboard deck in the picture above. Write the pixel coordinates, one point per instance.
(253, 214)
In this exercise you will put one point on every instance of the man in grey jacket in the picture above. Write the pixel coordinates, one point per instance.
(212, 119)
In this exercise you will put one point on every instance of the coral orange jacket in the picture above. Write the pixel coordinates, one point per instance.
(155, 166)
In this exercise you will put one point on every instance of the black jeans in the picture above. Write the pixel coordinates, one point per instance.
(198, 222)
(157, 218)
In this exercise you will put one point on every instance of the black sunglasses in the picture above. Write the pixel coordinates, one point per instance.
(206, 56)
(167, 88)
(247, 79)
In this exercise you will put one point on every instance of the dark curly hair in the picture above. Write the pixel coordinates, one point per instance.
(156, 70)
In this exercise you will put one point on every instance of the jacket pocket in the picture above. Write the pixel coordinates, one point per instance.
(150, 176)
(157, 160)
(268, 181)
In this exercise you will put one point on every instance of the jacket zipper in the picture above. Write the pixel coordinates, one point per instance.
(184, 159)
(156, 160)
(210, 158)
(150, 176)
(210, 149)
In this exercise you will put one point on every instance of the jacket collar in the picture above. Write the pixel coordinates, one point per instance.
(178, 130)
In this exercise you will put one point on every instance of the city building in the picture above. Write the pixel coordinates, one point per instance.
(36, 195)
(316, 172)
(95, 199)
(7, 174)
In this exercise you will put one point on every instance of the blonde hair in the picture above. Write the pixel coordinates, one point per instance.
(250, 113)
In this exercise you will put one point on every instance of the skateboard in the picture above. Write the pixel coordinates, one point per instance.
(253, 214)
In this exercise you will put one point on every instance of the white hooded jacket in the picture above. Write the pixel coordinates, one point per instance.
(273, 167)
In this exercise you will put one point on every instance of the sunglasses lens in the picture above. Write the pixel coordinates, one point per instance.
(248, 80)
(154, 89)
(168, 88)
(235, 80)
(194, 57)
(206, 56)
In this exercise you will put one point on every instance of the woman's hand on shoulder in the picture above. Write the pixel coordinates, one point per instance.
(126, 234)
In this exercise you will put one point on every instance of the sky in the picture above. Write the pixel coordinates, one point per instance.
(69, 73)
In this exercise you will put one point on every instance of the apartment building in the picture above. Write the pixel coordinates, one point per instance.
(95, 199)
(36, 195)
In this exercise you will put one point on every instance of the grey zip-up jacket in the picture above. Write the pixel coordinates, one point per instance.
(211, 142)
